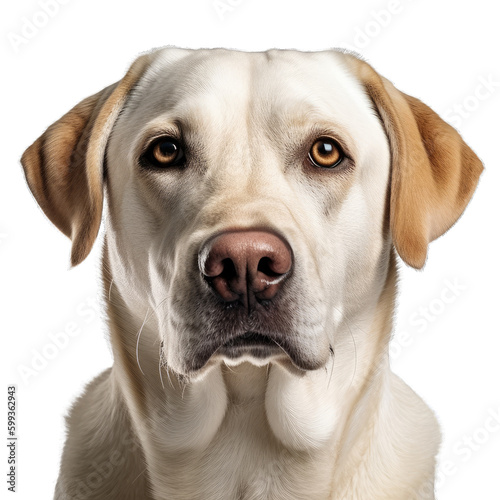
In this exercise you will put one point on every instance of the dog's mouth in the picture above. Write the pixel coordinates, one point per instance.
(250, 339)
(255, 347)
(253, 343)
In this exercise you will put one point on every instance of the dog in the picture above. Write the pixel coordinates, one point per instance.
(256, 203)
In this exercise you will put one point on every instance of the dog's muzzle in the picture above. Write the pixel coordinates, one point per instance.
(245, 271)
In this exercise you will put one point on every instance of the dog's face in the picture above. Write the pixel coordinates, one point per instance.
(246, 128)
(254, 198)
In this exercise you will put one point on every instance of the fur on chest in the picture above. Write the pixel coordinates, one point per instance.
(244, 462)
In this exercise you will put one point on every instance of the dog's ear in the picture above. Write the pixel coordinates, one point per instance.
(65, 166)
(434, 173)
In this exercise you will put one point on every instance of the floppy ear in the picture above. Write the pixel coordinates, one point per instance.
(434, 173)
(65, 166)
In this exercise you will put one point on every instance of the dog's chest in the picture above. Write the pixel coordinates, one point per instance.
(246, 462)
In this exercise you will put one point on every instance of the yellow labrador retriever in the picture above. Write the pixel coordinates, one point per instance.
(255, 206)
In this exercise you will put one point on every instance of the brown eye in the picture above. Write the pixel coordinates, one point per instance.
(164, 152)
(326, 153)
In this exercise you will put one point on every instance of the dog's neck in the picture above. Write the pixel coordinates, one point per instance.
(274, 411)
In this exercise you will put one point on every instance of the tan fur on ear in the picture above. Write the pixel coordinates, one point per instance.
(434, 173)
(64, 167)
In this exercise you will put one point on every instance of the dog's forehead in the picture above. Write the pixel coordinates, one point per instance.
(223, 86)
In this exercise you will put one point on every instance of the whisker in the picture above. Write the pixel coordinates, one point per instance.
(355, 355)
(161, 377)
(183, 389)
(167, 369)
(332, 354)
(229, 367)
(139, 475)
(163, 364)
(140, 331)
(138, 339)
(110, 286)
(354, 344)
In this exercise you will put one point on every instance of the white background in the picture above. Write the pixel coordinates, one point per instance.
(441, 52)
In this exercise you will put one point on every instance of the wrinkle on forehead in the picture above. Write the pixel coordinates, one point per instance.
(270, 82)
(199, 82)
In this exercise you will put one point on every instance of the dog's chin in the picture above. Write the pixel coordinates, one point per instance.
(250, 344)
(250, 347)
(254, 348)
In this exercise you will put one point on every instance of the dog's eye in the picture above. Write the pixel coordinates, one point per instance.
(164, 152)
(326, 153)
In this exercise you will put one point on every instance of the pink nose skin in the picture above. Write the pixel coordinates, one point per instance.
(246, 265)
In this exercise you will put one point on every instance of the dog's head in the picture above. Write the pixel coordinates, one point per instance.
(253, 198)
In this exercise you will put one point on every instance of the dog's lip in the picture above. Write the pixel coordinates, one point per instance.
(250, 339)
(256, 344)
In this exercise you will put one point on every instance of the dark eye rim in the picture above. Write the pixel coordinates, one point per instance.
(342, 155)
(147, 158)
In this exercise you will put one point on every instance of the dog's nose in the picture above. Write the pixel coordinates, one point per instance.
(246, 265)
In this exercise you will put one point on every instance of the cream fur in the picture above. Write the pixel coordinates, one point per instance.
(249, 430)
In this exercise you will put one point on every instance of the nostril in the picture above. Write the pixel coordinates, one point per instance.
(223, 286)
(229, 269)
(215, 265)
(225, 270)
(224, 281)
(266, 267)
